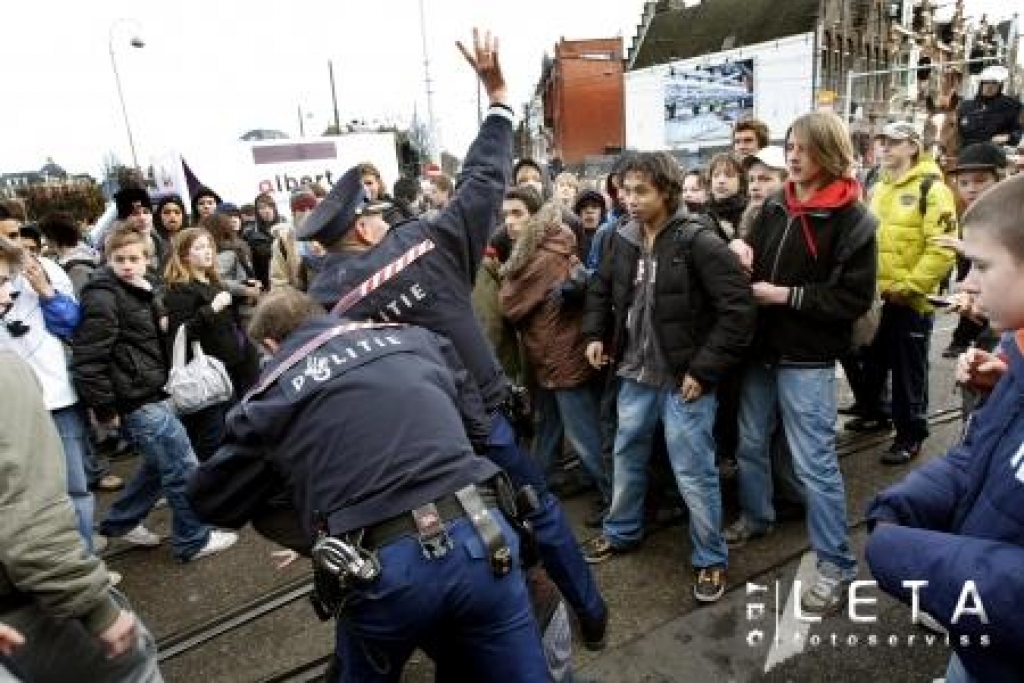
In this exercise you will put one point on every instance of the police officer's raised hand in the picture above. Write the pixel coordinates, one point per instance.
(484, 60)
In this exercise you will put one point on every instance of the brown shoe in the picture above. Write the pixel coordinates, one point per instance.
(109, 484)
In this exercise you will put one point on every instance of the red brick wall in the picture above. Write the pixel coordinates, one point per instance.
(583, 100)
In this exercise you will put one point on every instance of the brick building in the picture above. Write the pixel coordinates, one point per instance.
(581, 90)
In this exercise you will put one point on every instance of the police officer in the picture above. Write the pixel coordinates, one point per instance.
(421, 272)
(992, 116)
(372, 426)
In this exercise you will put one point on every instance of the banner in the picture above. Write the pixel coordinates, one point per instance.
(703, 102)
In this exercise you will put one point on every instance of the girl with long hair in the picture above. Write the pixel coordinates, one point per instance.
(198, 299)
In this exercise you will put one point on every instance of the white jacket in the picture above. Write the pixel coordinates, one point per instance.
(45, 353)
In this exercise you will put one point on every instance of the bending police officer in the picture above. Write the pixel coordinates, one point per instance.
(371, 427)
(421, 273)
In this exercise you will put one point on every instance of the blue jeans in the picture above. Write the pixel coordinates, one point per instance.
(689, 435)
(60, 649)
(167, 464)
(580, 411)
(807, 400)
(559, 551)
(547, 443)
(474, 625)
(72, 425)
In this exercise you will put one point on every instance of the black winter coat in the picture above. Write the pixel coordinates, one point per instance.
(981, 119)
(118, 359)
(704, 310)
(827, 294)
(218, 333)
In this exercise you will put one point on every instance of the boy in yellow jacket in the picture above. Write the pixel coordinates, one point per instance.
(913, 206)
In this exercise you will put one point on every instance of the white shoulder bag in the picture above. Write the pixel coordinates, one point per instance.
(198, 384)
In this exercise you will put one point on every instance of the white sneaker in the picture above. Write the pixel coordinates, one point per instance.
(218, 541)
(160, 503)
(142, 536)
(114, 577)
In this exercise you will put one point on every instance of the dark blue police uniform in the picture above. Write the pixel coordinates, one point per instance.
(370, 425)
(434, 291)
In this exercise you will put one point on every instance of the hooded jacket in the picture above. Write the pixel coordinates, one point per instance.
(42, 559)
(703, 309)
(79, 262)
(824, 251)
(550, 333)
(960, 518)
(118, 358)
(983, 118)
(909, 263)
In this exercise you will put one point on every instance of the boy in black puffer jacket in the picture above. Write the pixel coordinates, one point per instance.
(120, 368)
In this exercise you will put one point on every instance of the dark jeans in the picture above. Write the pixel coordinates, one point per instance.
(206, 429)
(900, 347)
(559, 551)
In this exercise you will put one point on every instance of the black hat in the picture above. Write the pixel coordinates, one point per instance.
(335, 215)
(126, 199)
(982, 156)
(589, 198)
(203, 191)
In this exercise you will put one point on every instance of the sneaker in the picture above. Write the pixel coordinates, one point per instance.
(218, 541)
(599, 549)
(160, 503)
(868, 424)
(827, 596)
(710, 584)
(901, 452)
(739, 532)
(108, 484)
(141, 536)
(594, 632)
(853, 410)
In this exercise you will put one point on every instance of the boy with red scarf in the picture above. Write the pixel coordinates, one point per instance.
(813, 262)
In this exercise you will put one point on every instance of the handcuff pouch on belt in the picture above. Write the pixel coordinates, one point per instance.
(499, 554)
(338, 568)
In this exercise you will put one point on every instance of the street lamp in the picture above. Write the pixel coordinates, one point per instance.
(135, 42)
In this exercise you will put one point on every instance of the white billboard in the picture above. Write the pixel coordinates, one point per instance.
(239, 171)
(692, 103)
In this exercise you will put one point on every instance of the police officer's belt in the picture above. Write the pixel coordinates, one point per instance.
(404, 525)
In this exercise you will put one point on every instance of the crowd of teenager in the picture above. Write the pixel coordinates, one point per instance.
(669, 324)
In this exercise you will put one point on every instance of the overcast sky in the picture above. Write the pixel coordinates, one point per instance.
(213, 69)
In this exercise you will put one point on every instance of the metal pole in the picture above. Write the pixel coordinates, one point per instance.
(120, 94)
(848, 98)
(302, 125)
(334, 98)
(430, 92)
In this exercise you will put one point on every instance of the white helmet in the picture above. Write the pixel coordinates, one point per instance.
(994, 74)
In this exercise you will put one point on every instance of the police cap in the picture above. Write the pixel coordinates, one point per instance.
(336, 214)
